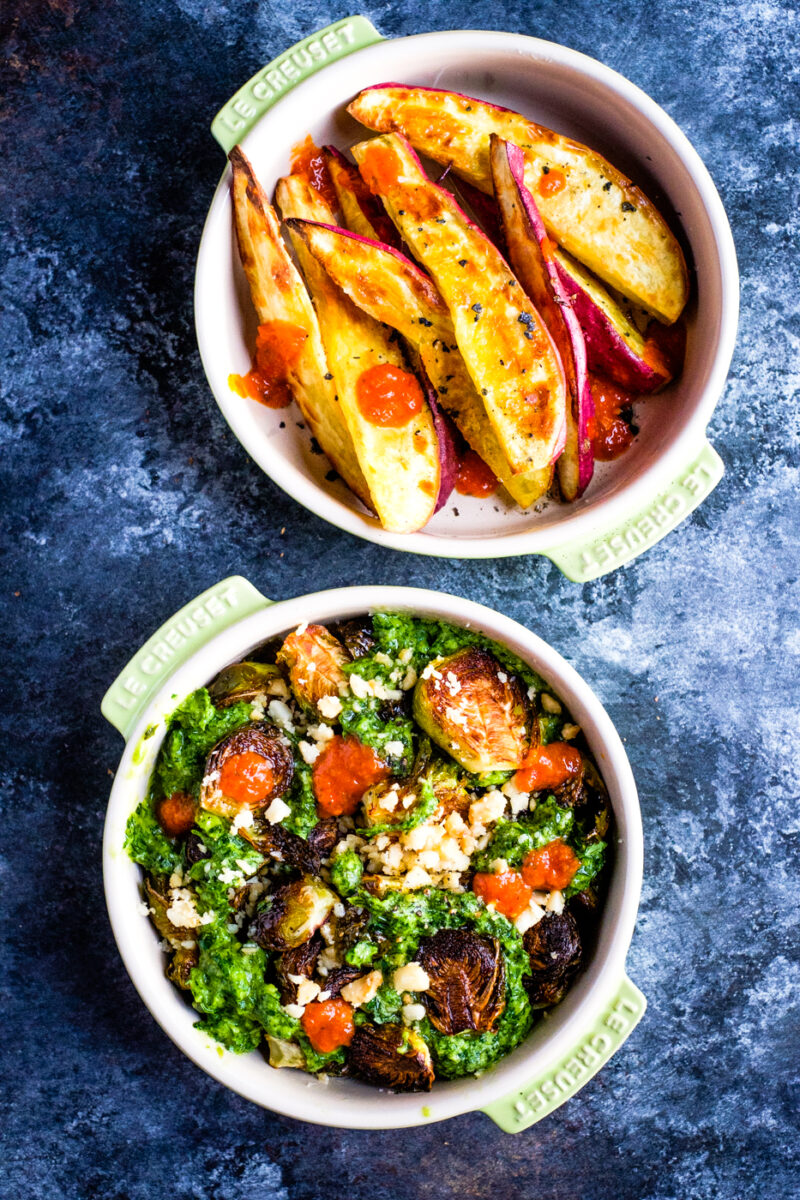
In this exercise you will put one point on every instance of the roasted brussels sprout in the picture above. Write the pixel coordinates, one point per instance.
(554, 949)
(324, 836)
(356, 636)
(157, 896)
(242, 681)
(196, 849)
(251, 766)
(300, 961)
(181, 965)
(281, 844)
(451, 795)
(281, 1053)
(339, 978)
(293, 914)
(474, 710)
(467, 980)
(391, 1057)
(314, 660)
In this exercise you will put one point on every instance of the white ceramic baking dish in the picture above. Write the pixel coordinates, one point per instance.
(670, 468)
(563, 1051)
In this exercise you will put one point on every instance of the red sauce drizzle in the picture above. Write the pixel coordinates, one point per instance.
(278, 347)
(308, 162)
(548, 767)
(609, 432)
(388, 396)
(474, 477)
(551, 866)
(551, 181)
(342, 773)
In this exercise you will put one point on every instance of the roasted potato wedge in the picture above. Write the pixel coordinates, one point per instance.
(531, 255)
(614, 345)
(363, 213)
(392, 289)
(588, 206)
(279, 294)
(506, 347)
(399, 462)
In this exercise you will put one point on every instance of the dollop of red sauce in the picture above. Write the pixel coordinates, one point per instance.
(388, 396)
(380, 168)
(175, 814)
(666, 345)
(278, 347)
(551, 182)
(308, 161)
(551, 866)
(342, 773)
(474, 477)
(609, 432)
(328, 1024)
(506, 890)
(246, 778)
(548, 767)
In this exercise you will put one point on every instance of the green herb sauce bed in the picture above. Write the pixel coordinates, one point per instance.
(230, 985)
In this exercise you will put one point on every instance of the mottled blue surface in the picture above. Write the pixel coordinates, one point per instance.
(124, 495)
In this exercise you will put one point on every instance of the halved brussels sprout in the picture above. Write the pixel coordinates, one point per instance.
(300, 961)
(314, 659)
(451, 795)
(294, 914)
(467, 980)
(181, 966)
(392, 1057)
(281, 844)
(474, 710)
(242, 681)
(554, 949)
(383, 804)
(258, 783)
(284, 1054)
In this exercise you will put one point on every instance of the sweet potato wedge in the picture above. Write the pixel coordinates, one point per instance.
(531, 254)
(614, 345)
(588, 206)
(279, 294)
(400, 463)
(506, 347)
(362, 212)
(392, 289)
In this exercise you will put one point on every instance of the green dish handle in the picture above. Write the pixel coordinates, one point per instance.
(176, 641)
(277, 78)
(606, 549)
(592, 1050)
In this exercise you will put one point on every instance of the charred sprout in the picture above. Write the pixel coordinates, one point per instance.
(247, 745)
(553, 946)
(243, 681)
(467, 981)
(474, 710)
(314, 660)
(293, 914)
(298, 962)
(391, 1057)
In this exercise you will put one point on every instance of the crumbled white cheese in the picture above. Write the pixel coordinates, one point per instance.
(363, 989)
(329, 707)
(294, 1010)
(518, 800)
(278, 687)
(409, 679)
(360, 687)
(488, 808)
(320, 733)
(307, 990)
(529, 917)
(395, 749)
(145, 909)
(549, 703)
(501, 675)
(309, 752)
(277, 811)
(182, 911)
(382, 658)
(568, 732)
(301, 628)
(411, 978)
(242, 820)
(500, 866)
(406, 655)
(281, 714)
(417, 878)
(555, 902)
(412, 1013)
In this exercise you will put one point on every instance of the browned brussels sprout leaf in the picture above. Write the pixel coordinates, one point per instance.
(183, 962)
(391, 1057)
(156, 894)
(281, 844)
(475, 710)
(553, 946)
(314, 660)
(300, 961)
(339, 978)
(324, 836)
(242, 681)
(255, 738)
(357, 637)
(467, 980)
(294, 914)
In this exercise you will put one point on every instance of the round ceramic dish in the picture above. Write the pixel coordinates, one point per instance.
(563, 1051)
(670, 468)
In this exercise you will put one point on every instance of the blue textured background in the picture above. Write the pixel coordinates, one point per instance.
(125, 495)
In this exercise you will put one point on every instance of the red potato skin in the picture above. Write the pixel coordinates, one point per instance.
(536, 269)
(448, 457)
(607, 351)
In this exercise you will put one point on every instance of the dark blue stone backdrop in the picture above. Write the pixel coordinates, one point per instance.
(124, 495)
